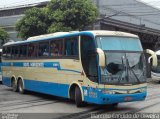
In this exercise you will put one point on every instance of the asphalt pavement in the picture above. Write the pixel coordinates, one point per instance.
(48, 107)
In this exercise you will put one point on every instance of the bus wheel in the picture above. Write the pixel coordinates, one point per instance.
(21, 86)
(78, 97)
(14, 85)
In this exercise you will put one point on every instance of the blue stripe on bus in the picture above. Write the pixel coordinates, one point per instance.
(47, 87)
(61, 90)
(6, 81)
(42, 87)
(38, 64)
(69, 70)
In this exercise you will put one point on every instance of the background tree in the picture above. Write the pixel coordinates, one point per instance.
(59, 15)
(3, 36)
(57, 27)
(71, 14)
(33, 23)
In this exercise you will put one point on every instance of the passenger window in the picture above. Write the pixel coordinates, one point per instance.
(15, 51)
(43, 49)
(23, 51)
(56, 47)
(4, 51)
(71, 46)
(8, 52)
(32, 50)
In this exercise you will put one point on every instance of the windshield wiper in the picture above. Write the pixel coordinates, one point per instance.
(126, 69)
(132, 70)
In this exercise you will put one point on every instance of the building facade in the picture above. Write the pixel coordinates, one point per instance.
(9, 17)
(130, 16)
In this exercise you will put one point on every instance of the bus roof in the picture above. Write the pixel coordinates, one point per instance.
(67, 34)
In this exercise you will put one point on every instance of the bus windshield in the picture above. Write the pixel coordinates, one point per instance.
(124, 60)
(119, 43)
(123, 68)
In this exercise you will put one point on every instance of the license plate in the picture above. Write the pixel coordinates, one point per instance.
(128, 98)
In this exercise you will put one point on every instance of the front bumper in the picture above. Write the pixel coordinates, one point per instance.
(118, 98)
(115, 98)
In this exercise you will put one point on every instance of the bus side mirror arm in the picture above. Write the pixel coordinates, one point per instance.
(101, 57)
(153, 56)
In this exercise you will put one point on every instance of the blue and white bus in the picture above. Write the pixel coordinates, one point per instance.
(100, 67)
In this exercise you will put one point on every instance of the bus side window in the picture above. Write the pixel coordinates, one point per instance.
(12, 52)
(23, 51)
(71, 46)
(15, 51)
(8, 52)
(4, 52)
(43, 49)
(56, 47)
(89, 60)
(32, 50)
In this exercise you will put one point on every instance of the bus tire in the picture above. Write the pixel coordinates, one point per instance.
(14, 85)
(78, 97)
(21, 86)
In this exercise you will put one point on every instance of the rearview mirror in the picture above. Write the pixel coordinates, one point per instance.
(101, 57)
(153, 56)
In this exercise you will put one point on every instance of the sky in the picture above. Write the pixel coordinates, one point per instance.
(9, 3)
(155, 3)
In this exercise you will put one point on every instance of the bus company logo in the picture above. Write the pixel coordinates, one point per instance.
(33, 64)
(26, 64)
(37, 64)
